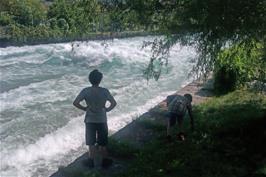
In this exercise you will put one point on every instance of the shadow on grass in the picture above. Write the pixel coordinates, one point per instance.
(122, 149)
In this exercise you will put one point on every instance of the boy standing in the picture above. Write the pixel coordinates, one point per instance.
(95, 118)
(177, 107)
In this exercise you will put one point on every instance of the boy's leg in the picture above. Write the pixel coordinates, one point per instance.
(180, 120)
(102, 137)
(171, 122)
(92, 151)
(103, 151)
(90, 136)
(106, 162)
(102, 142)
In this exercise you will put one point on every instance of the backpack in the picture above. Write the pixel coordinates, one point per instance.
(178, 106)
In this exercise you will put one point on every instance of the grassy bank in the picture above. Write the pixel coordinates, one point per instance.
(229, 140)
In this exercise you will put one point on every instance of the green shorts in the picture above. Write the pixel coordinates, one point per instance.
(96, 133)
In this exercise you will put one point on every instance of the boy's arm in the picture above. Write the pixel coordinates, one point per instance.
(77, 101)
(191, 117)
(113, 104)
(78, 105)
(112, 101)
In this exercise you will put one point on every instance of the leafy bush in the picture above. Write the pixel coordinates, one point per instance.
(236, 66)
(23, 20)
(225, 79)
(5, 19)
(25, 12)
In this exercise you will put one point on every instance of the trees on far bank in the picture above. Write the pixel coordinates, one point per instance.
(33, 20)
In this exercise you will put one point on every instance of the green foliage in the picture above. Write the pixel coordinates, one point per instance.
(209, 26)
(228, 35)
(23, 20)
(159, 58)
(24, 34)
(121, 149)
(24, 12)
(225, 80)
(147, 12)
(236, 66)
(5, 19)
(233, 110)
(152, 125)
(80, 17)
(75, 19)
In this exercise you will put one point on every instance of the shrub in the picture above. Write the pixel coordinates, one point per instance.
(236, 66)
(225, 80)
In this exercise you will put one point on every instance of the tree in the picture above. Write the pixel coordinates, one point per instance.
(24, 12)
(211, 26)
(80, 15)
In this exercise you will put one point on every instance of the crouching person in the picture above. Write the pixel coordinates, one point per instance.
(177, 107)
(95, 119)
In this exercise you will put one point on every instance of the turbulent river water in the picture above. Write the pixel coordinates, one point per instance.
(40, 130)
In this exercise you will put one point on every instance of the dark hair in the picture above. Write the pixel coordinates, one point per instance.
(188, 96)
(95, 77)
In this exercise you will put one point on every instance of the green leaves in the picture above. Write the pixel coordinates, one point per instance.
(237, 65)
(24, 12)
(229, 37)
(65, 19)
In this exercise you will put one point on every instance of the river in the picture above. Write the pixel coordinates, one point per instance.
(40, 129)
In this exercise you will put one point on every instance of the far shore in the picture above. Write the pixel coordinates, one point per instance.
(91, 37)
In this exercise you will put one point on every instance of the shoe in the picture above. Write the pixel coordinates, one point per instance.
(181, 136)
(107, 162)
(89, 163)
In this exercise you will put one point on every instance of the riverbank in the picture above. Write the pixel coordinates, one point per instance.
(136, 134)
(89, 37)
(228, 141)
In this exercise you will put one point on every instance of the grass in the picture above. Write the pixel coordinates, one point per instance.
(150, 124)
(122, 150)
(229, 141)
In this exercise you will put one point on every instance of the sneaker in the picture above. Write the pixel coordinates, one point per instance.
(107, 162)
(89, 163)
(181, 136)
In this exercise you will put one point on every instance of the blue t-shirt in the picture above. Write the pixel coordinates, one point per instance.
(95, 98)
